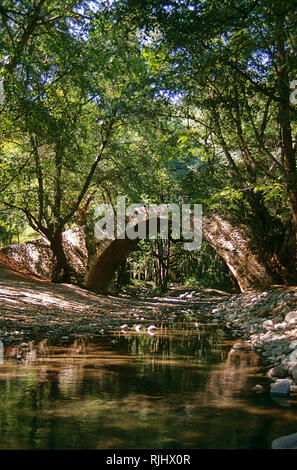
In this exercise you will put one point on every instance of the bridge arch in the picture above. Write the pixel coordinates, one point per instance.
(235, 244)
(94, 264)
(108, 254)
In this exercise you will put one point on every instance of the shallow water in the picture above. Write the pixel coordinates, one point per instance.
(183, 387)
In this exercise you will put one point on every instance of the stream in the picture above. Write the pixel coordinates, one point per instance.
(180, 387)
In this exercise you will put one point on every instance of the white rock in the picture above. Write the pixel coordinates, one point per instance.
(280, 326)
(293, 344)
(152, 328)
(258, 388)
(291, 316)
(266, 335)
(268, 324)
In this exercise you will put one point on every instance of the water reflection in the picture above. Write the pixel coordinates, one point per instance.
(183, 387)
(231, 377)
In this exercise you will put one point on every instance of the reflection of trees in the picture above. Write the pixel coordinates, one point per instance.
(155, 385)
(230, 377)
(71, 372)
(171, 360)
(190, 344)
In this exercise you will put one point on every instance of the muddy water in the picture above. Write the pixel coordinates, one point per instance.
(183, 387)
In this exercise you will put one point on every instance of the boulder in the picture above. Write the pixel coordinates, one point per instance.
(278, 371)
(285, 442)
(281, 388)
(293, 356)
(293, 344)
(293, 372)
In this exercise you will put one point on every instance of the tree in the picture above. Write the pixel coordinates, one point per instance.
(67, 112)
(228, 66)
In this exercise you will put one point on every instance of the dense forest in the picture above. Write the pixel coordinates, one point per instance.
(149, 99)
(141, 342)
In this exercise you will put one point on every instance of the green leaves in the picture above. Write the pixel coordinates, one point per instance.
(231, 194)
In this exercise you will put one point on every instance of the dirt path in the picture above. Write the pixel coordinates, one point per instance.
(32, 307)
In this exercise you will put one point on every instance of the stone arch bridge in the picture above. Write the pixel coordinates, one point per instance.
(95, 262)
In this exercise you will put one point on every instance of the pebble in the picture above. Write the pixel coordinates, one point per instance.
(280, 326)
(268, 324)
(258, 388)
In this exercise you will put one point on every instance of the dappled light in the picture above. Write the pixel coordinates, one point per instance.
(148, 225)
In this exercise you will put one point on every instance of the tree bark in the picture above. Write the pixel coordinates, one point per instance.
(287, 148)
(61, 270)
(237, 246)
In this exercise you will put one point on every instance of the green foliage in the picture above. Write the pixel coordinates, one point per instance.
(147, 100)
(190, 268)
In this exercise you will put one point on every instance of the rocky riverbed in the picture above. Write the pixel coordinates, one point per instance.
(32, 308)
(266, 322)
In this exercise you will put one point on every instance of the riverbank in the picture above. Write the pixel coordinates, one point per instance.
(32, 308)
(266, 322)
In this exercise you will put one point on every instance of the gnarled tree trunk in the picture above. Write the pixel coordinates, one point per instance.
(237, 246)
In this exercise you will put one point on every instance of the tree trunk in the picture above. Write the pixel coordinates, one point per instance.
(61, 270)
(239, 249)
(123, 277)
(287, 149)
(161, 263)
